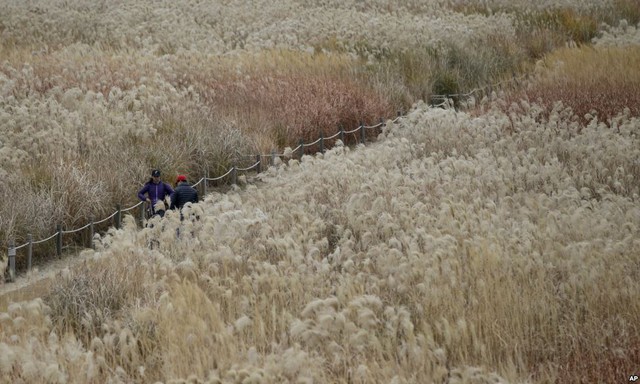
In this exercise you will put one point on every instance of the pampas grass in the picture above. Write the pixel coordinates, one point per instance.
(598, 83)
(108, 87)
(464, 247)
(439, 252)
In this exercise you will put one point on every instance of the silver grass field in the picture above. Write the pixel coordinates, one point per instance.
(448, 250)
(496, 243)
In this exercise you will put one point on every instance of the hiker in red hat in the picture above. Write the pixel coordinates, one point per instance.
(184, 193)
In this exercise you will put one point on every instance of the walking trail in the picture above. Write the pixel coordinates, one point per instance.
(28, 286)
(40, 280)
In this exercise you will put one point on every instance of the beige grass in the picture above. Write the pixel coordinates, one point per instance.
(499, 247)
(597, 82)
(114, 89)
(456, 249)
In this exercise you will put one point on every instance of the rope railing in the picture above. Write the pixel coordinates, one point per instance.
(249, 168)
(133, 207)
(77, 230)
(41, 241)
(446, 101)
(373, 126)
(107, 218)
(326, 138)
(199, 181)
(514, 79)
(219, 177)
(312, 143)
(352, 131)
(441, 104)
(25, 244)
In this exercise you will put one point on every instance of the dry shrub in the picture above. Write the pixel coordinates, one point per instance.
(542, 31)
(600, 82)
(195, 140)
(604, 363)
(290, 108)
(537, 41)
(94, 294)
(577, 27)
(279, 98)
(188, 323)
(483, 61)
(47, 194)
(628, 10)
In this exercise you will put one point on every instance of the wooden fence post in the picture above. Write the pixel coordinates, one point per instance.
(204, 183)
(259, 162)
(362, 140)
(29, 251)
(91, 229)
(59, 240)
(143, 208)
(118, 217)
(342, 135)
(321, 142)
(12, 260)
(234, 175)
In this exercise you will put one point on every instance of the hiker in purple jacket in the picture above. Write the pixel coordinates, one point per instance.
(155, 189)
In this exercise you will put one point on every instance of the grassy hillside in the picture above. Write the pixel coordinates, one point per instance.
(493, 244)
(456, 248)
(95, 94)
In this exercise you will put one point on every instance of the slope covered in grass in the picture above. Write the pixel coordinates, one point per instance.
(193, 87)
(499, 248)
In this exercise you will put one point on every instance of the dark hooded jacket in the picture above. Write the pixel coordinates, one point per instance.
(184, 193)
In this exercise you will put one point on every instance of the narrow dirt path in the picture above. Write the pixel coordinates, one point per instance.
(34, 284)
(39, 281)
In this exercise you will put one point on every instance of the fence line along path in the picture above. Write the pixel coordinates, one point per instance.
(231, 176)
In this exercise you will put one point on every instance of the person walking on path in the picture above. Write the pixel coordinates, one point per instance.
(155, 190)
(184, 193)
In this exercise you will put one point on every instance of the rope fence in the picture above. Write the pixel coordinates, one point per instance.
(445, 99)
(259, 166)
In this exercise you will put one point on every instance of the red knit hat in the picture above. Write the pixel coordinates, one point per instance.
(181, 178)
